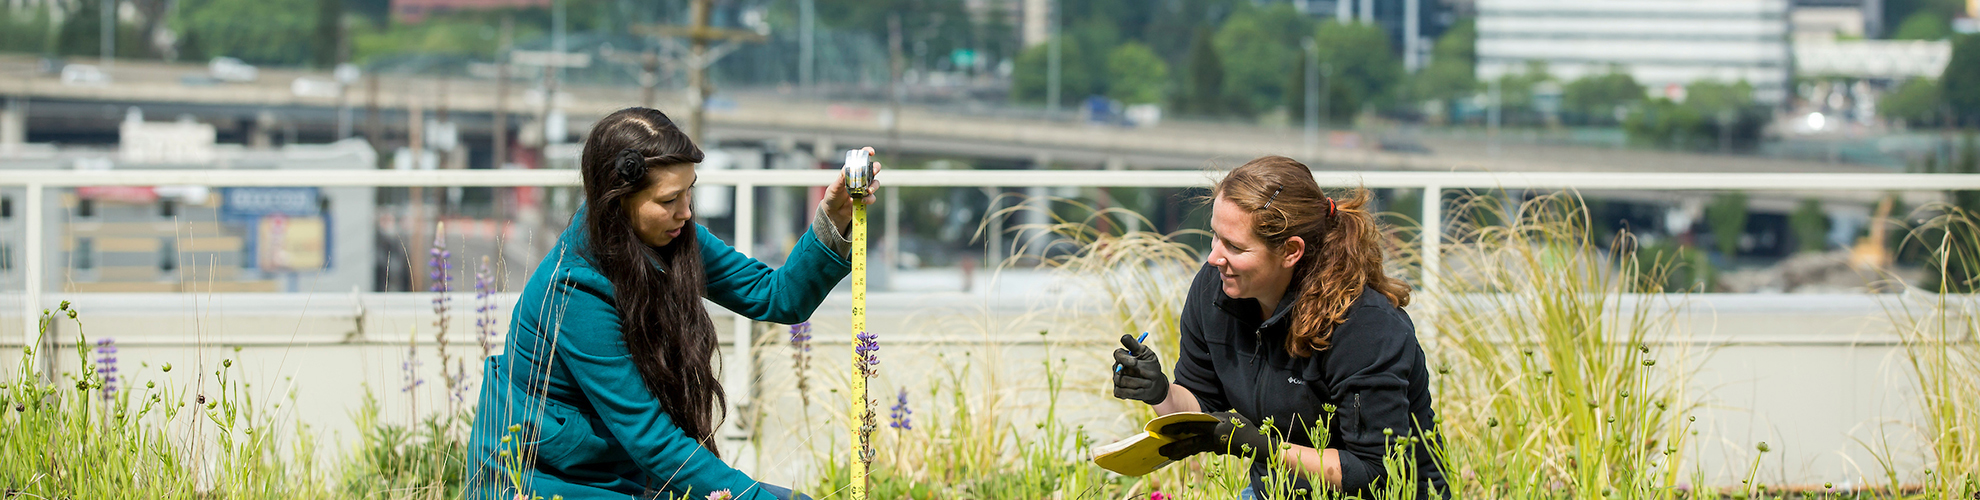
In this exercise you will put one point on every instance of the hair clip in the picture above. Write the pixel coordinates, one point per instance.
(630, 166)
(1275, 197)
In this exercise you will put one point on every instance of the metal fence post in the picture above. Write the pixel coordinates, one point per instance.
(31, 264)
(1433, 236)
(742, 375)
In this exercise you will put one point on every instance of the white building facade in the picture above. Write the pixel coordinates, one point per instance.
(1661, 43)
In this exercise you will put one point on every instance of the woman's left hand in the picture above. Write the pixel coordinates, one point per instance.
(839, 202)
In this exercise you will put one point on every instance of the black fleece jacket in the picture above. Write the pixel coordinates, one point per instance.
(1374, 374)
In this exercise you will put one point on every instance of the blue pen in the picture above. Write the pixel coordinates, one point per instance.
(1143, 338)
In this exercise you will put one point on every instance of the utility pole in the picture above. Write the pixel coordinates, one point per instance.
(1312, 98)
(897, 64)
(698, 90)
(700, 56)
(501, 132)
(1412, 32)
(558, 39)
(1492, 116)
(1052, 65)
(109, 41)
(649, 78)
(807, 35)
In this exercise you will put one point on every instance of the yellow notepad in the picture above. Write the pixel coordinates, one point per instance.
(1141, 454)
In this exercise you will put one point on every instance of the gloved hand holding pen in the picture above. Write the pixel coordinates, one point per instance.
(1138, 372)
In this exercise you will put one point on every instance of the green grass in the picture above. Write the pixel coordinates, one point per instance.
(1554, 380)
(1938, 332)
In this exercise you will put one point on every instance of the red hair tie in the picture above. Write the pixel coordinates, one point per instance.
(1331, 208)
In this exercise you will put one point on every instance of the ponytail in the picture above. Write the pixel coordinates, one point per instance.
(1333, 275)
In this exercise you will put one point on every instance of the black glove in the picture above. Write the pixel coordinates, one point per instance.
(1231, 434)
(1139, 373)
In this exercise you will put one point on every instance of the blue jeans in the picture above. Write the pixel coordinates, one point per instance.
(781, 493)
(1248, 494)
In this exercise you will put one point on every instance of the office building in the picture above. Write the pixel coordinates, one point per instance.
(1664, 44)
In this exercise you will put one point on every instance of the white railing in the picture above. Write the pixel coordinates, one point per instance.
(1431, 183)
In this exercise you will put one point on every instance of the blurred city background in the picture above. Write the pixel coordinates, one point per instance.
(98, 88)
(1437, 85)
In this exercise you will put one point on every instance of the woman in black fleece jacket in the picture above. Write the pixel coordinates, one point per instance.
(1292, 320)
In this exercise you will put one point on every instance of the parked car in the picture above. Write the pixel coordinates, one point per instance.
(84, 75)
(314, 87)
(228, 69)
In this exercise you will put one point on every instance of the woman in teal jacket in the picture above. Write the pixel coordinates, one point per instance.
(606, 388)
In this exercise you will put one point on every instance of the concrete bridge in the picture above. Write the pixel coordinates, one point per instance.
(380, 104)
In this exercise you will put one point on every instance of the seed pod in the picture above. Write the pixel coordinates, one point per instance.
(1764, 448)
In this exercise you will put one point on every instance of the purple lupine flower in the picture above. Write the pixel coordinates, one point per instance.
(865, 353)
(106, 365)
(410, 367)
(801, 336)
(898, 417)
(801, 359)
(484, 308)
(440, 269)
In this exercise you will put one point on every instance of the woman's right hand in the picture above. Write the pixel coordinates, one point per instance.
(1138, 373)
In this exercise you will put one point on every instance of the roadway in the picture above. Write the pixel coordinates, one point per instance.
(774, 118)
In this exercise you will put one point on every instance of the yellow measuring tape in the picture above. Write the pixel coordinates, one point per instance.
(861, 418)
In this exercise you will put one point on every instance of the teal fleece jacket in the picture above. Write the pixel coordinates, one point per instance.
(589, 428)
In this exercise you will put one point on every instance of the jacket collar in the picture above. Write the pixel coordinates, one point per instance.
(1249, 310)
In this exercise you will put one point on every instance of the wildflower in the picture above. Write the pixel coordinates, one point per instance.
(801, 359)
(439, 269)
(801, 337)
(1763, 449)
(410, 367)
(721, 495)
(106, 365)
(1158, 495)
(898, 417)
(864, 353)
(484, 308)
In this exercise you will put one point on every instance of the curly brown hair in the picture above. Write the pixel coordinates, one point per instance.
(1344, 248)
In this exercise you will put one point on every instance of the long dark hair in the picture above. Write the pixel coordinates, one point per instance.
(1343, 244)
(657, 290)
